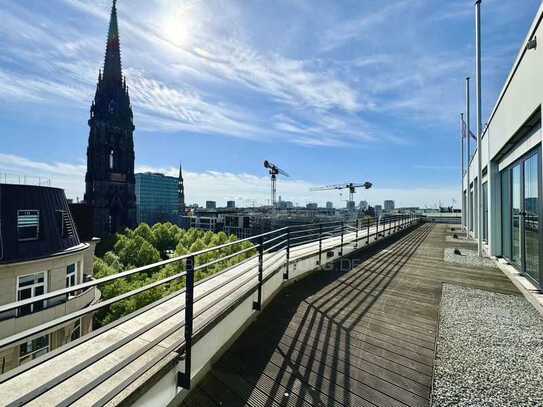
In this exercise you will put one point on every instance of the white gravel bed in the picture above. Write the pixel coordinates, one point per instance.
(490, 350)
(467, 257)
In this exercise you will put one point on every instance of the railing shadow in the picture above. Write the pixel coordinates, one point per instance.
(299, 350)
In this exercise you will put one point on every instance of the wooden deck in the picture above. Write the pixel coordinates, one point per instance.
(358, 337)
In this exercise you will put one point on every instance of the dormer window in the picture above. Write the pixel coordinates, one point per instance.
(64, 224)
(111, 159)
(28, 225)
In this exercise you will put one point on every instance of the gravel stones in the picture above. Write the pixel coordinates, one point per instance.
(490, 350)
(467, 258)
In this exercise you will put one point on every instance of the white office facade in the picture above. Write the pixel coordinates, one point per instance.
(511, 156)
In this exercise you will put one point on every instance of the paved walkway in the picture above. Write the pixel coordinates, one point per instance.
(358, 337)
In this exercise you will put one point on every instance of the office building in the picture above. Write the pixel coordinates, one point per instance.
(211, 205)
(363, 205)
(230, 204)
(350, 205)
(511, 166)
(312, 206)
(157, 198)
(378, 210)
(389, 205)
(329, 205)
(40, 251)
(110, 182)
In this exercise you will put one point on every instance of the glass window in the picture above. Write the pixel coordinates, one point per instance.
(28, 224)
(76, 330)
(506, 212)
(33, 349)
(516, 213)
(531, 216)
(71, 275)
(30, 286)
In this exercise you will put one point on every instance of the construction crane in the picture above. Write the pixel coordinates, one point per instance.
(351, 186)
(274, 171)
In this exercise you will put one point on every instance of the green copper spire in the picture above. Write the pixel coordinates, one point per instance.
(112, 63)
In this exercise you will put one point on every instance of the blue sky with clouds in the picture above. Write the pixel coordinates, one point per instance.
(332, 91)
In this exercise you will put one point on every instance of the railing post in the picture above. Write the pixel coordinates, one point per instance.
(342, 230)
(356, 237)
(257, 305)
(285, 275)
(368, 233)
(320, 244)
(183, 379)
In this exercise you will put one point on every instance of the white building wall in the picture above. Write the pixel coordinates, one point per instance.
(521, 97)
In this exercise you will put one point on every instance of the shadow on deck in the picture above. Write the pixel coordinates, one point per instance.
(360, 334)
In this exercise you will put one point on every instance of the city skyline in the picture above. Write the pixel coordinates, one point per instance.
(329, 123)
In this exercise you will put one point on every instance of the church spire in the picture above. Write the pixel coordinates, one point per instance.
(181, 192)
(112, 63)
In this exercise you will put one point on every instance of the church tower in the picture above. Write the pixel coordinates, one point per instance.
(110, 181)
(181, 192)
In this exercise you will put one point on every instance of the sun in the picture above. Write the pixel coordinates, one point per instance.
(178, 24)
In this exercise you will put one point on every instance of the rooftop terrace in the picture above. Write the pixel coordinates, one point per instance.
(349, 317)
(359, 337)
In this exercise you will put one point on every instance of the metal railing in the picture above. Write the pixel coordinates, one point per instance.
(22, 179)
(272, 251)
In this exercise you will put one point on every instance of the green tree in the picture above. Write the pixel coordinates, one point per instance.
(145, 245)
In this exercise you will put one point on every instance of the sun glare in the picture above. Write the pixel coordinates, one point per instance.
(178, 24)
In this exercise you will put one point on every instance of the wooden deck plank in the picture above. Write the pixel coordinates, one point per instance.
(361, 336)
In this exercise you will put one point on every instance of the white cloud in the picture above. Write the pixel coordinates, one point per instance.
(222, 186)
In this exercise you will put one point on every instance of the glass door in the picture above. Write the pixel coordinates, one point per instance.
(516, 215)
(530, 216)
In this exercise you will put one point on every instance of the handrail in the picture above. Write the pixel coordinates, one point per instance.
(339, 234)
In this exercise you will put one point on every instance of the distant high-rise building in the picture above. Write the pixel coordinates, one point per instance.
(350, 205)
(363, 205)
(211, 205)
(312, 206)
(389, 205)
(157, 198)
(230, 204)
(378, 210)
(110, 181)
(329, 205)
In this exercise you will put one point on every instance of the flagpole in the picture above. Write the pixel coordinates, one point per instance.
(479, 127)
(468, 132)
(462, 135)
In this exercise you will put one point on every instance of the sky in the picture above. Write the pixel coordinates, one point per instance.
(331, 91)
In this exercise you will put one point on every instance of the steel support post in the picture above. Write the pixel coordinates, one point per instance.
(257, 305)
(183, 379)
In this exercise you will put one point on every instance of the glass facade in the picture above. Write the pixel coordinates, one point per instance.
(157, 198)
(531, 216)
(520, 199)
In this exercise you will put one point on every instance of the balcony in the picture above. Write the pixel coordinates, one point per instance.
(326, 314)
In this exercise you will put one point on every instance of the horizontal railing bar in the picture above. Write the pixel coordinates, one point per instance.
(78, 314)
(293, 239)
(277, 257)
(117, 367)
(275, 238)
(94, 283)
(177, 347)
(202, 266)
(275, 246)
(65, 375)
